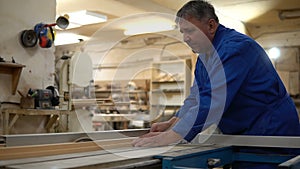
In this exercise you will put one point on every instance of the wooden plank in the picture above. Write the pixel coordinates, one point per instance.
(55, 138)
(84, 154)
(50, 158)
(18, 152)
(107, 160)
(118, 158)
(36, 111)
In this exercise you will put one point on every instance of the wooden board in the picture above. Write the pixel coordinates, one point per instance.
(17, 152)
(130, 156)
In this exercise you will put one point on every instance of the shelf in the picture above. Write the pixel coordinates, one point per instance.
(167, 90)
(170, 85)
(107, 104)
(122, 103)
(14, 70)
(169, 105)
(108, 91)
(174, 81)
(135, 91)
(124, 98)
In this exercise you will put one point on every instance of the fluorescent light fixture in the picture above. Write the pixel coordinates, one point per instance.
(68, 38)
(274, 53)
(146, 29)
(84, 17)
(148, 24)
(289, 14)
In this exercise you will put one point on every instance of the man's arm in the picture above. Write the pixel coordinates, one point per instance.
(190, 101)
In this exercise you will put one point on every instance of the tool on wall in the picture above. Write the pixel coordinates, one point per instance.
(28, 38)
(43, 33)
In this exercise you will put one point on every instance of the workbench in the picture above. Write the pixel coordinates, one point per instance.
(112, 149)
(16, 113)
(172, 157)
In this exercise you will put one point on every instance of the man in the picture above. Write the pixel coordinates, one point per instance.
(236, 87)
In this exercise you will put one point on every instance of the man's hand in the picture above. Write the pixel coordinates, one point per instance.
(151, 134)
(163, 126)
(157, 139)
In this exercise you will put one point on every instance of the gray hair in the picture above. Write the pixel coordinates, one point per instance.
(199, 9)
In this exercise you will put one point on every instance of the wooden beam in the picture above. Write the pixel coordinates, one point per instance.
(13, 121)
(51, 121)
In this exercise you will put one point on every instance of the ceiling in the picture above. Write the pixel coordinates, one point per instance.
(260, 17)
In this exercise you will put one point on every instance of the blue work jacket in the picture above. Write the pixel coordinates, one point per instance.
(237, 88)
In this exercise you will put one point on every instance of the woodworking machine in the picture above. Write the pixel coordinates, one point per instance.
(112, 149)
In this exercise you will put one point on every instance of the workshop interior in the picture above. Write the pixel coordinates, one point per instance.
(80, 79)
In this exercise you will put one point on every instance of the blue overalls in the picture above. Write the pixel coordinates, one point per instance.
(237, 88)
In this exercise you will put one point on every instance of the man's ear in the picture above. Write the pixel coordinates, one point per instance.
(213, 25)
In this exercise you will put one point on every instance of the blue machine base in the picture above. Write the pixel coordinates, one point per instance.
(197, 158)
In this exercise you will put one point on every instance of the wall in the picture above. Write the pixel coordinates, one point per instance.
(16, 16)
(287, 66)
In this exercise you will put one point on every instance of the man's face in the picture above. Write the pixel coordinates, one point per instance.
(195, 34)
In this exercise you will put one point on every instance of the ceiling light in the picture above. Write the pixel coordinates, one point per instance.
(289, 14)
(68, 38)
(145, 29)
(148, 24)
(274, 53)
(84, 17)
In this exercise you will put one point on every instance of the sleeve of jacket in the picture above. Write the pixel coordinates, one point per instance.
(189, 102)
